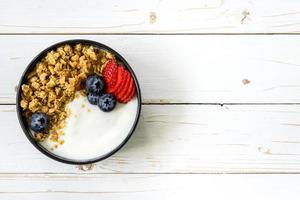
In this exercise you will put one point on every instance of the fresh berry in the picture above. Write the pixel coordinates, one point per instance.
(119, 82)
(125, 89)
(130, 89)
(94, 84)
(110, 73)
(130, 96)
(124, 84)
(93, 98)
(39, 122)
(129, 93)
(107, 102)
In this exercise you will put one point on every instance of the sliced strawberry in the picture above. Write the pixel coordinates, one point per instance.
(124, 84)
(131, 87)
(120, 79)
(129, 94)
(110, 73)
(125, 92)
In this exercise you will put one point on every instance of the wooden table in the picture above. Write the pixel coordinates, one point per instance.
(221, 99)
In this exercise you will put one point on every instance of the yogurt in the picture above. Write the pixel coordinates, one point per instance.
(90, 132)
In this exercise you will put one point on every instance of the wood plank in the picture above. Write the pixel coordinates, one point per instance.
(185, 69)
(180, 139)
(190, 16)
(163, 186)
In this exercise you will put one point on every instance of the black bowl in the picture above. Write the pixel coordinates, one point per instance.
(24, 124)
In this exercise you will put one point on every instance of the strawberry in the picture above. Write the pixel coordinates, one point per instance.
(110, 73)
(125, 85)
(126, 90)
(120, 79)
(130, 96)
(129, 93)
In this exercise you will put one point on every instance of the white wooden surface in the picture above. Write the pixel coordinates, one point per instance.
(182, 139)
(148, 187)
(220, 82)
(185, 68)
(156, 16)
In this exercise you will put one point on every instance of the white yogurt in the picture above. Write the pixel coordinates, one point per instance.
(90, 132)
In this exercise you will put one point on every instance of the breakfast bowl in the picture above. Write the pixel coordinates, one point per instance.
(78, 102)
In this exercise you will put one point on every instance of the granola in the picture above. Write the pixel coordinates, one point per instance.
(55, 81)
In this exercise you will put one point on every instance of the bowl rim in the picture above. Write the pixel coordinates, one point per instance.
(24, 125)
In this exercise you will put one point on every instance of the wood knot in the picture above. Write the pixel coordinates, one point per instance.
(152, 17)
(85, 168)
(245, 14)
(246, 81)
(264, 150)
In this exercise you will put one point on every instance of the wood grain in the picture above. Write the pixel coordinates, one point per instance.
(167, 16)
(190, 53)
(180, 139)
(163, 186)
(184, 69)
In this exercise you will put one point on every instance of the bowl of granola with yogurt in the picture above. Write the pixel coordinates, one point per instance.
(78, 101)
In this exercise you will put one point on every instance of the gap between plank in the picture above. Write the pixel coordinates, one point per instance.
(221, 104)
(200, 104)
(151, 33)
(142, 173)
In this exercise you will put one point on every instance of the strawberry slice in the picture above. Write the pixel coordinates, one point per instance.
(129, 93)
(110, 73)
(125, 85)
(122, 82)
(120, 79)
(130, 97)
(125, 92)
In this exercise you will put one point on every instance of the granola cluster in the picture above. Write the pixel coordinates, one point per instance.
(56, 79)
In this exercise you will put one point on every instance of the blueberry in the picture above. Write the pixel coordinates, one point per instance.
(94, 84)
(93, 98)
(39, 122)
(107, 102)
